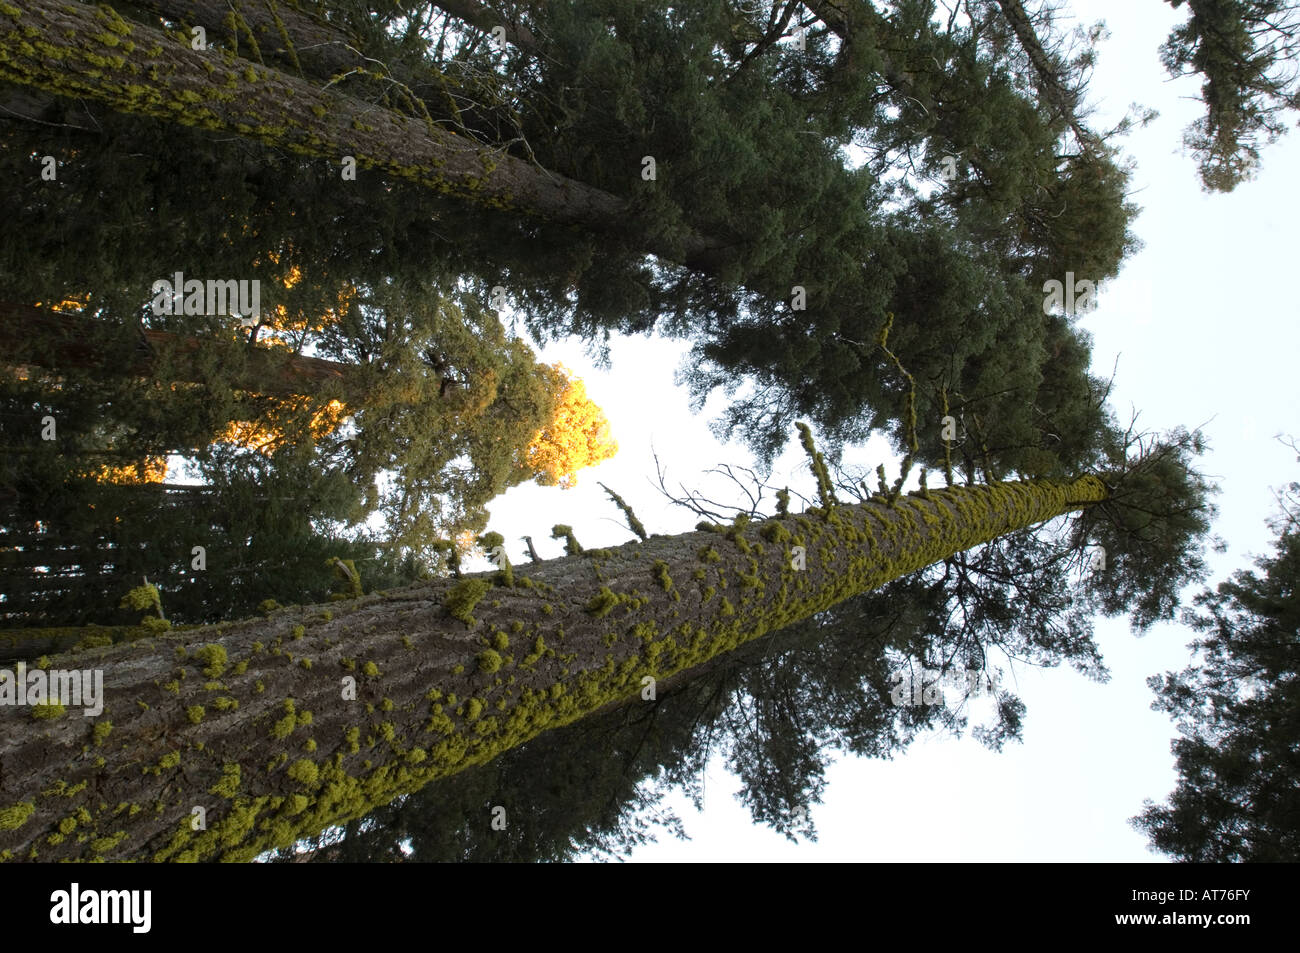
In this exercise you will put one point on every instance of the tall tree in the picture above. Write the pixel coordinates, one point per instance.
(1245, 51)
(450, 673)
(1238, 713)
(675, 102)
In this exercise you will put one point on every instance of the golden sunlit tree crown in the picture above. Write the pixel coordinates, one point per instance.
(577, 437)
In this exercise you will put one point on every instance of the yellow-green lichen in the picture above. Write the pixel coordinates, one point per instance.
(228, 786)
(460, 599)
(16, 815)
(284, 727)
(214, 659)
(304, 772)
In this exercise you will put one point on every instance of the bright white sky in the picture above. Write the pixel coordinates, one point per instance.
(1204, 329)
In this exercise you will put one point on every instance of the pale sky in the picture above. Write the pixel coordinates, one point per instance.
(1204, 325)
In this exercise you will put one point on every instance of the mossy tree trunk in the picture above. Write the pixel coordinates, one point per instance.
(252, 722)
(76, 50)
(277, 32)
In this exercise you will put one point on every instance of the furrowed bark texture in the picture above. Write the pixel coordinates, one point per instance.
(250, 721)
(79, 51)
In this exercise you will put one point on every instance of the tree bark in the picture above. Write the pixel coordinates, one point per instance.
(482, 17)
(80, 51)
(280, 32)
(60, 340)
(252, 722)
(855, 22)
(1050, 85)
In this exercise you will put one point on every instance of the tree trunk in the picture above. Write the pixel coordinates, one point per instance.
(252, 721)
(59, 340)
(856, 22)
(279, 32)
(1050, 85)
(482, 17)
(76, 50)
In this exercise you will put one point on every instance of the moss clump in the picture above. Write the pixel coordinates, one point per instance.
(296, 804)
(571, 545)
(48, 711)
(500, 641)
(633, 523)
(371, 669)
(489, 660)
(102, 845)
(304, 772)
(661, 575)
(299, 631)
(213, 658)
(473, 708)
(817, 464)
(100, 732)
(267, 605)
(195, 713)
(460, 599)
(345, 571)
(284, 727)
(228, 786)
(539, 649)
(143, 598)
(12, 818)
(605, 601)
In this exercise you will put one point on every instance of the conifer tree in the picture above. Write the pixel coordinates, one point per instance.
(311, 716)
(1235, 708)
